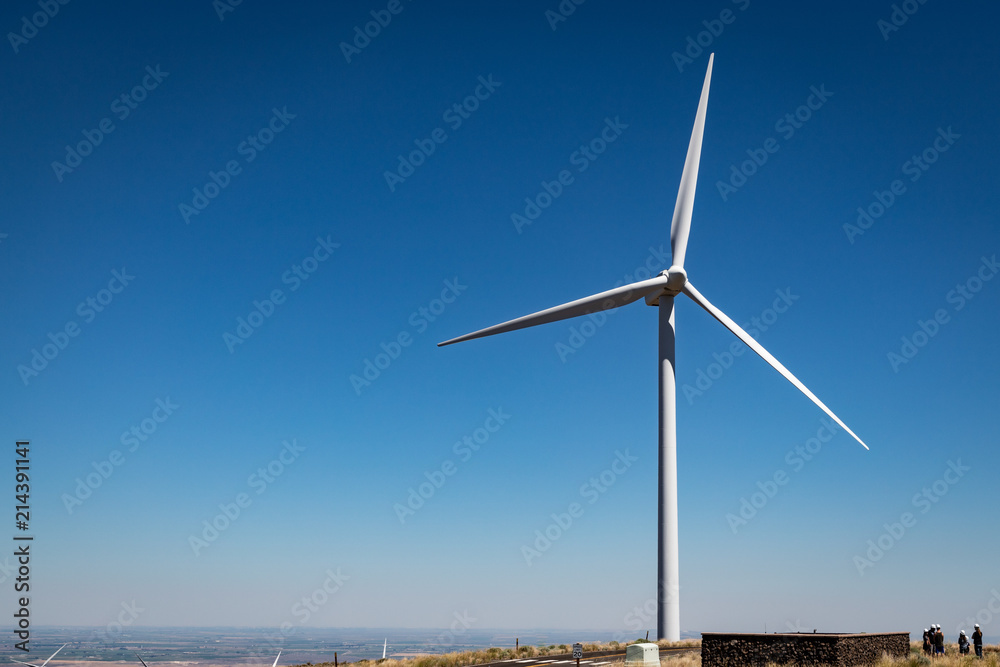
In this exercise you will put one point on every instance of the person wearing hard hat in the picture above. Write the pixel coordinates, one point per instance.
(963, 643)
(938, 640)
(977, 640)
(927, 641)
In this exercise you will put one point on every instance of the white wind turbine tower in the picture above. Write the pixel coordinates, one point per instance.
(660, 291)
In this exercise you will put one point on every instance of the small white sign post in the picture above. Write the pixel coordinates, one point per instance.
(578, 652)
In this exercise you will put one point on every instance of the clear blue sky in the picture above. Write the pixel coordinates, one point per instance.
(308, 189)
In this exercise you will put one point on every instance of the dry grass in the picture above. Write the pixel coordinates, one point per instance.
(466, 658)
(692, 659)
(916, 658)
(952, 658)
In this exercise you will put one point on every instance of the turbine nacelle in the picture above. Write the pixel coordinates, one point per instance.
(676, 277)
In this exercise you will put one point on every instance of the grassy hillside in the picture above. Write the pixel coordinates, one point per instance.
(495, 654)
(915, 659)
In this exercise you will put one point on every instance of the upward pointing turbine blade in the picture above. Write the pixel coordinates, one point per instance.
(276, 660)
(697, 297)
(613, 298)
(680, 226)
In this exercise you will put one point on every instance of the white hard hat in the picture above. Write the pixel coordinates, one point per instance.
(962, 632)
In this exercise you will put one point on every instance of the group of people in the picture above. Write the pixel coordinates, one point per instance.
(934, 641)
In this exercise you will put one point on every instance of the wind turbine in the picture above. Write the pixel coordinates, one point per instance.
(31, 664)
(660, 291)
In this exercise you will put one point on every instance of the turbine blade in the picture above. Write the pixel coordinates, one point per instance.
(53, 655)
(697, 297)
(613, 298)
(276, 660)
(141, 660)
(21, 662)
(680, 226)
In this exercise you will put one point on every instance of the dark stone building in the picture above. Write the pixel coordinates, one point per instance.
(721, 649)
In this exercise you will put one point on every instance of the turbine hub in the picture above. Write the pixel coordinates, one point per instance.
(677, 277)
